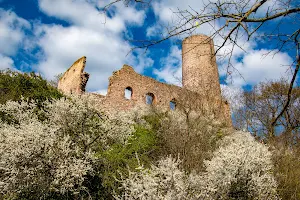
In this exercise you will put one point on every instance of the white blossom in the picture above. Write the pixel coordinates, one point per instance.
(57, 152)
(240, 168)
(165, 181)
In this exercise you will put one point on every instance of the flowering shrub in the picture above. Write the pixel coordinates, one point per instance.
(54, 154)
(165, 181)
(191, 135)
(61, 148)
(240, 169)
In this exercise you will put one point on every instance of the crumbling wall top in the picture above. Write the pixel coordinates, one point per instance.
(74, 79)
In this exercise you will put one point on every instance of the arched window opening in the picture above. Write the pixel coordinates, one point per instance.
(128, 93)
(173, 104)
(149, 98)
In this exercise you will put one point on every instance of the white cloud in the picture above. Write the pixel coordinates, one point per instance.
(105, 54)
(102, 92)
(257, 66)
(84, 14)
(12, 36)
(11, 32)
(102, 44)
(234, 95)
(6, 62)
(105, 47)
(153, 31)
(141, 61)
(171, 71)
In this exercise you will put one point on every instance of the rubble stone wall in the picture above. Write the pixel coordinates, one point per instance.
(74, 80)
(201, 90)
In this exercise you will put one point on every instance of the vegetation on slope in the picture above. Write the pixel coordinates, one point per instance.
(15, 85)
(76, 151)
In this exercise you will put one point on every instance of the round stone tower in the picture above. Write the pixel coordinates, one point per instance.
(199, 67)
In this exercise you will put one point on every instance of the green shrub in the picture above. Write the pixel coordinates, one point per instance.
(139, 149)
(15, 85)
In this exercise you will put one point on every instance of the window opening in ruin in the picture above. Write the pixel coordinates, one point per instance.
(173, 104)
(128, 93)
(149, 98)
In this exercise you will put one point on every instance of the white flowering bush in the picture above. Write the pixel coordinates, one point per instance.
(240, 169)
(53, 149)
(79, 116)
(59, 149)
(166, 181)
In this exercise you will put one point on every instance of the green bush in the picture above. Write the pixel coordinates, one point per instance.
(15, 85)
(139, 149)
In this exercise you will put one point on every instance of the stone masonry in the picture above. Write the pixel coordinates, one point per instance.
(201, 90)
(74, 79)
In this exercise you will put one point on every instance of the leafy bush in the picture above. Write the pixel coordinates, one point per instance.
(15, 85)
(119, 157)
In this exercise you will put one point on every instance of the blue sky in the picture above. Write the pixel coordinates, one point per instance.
(47, 36)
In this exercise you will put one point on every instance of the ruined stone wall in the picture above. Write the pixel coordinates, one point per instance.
(163, 94)
(140, 86)
(74, 79)
(201, 90)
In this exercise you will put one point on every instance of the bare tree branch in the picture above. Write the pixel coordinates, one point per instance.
(291, 83)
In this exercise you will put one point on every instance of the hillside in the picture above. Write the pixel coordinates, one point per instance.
(53, 147)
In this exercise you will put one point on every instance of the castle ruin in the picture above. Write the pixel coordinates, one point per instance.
(200, 92)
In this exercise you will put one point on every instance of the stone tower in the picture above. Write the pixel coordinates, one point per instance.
(199, 67)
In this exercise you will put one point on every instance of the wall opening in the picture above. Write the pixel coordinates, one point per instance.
(128, 93)
(149, 98)
(173, 104)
